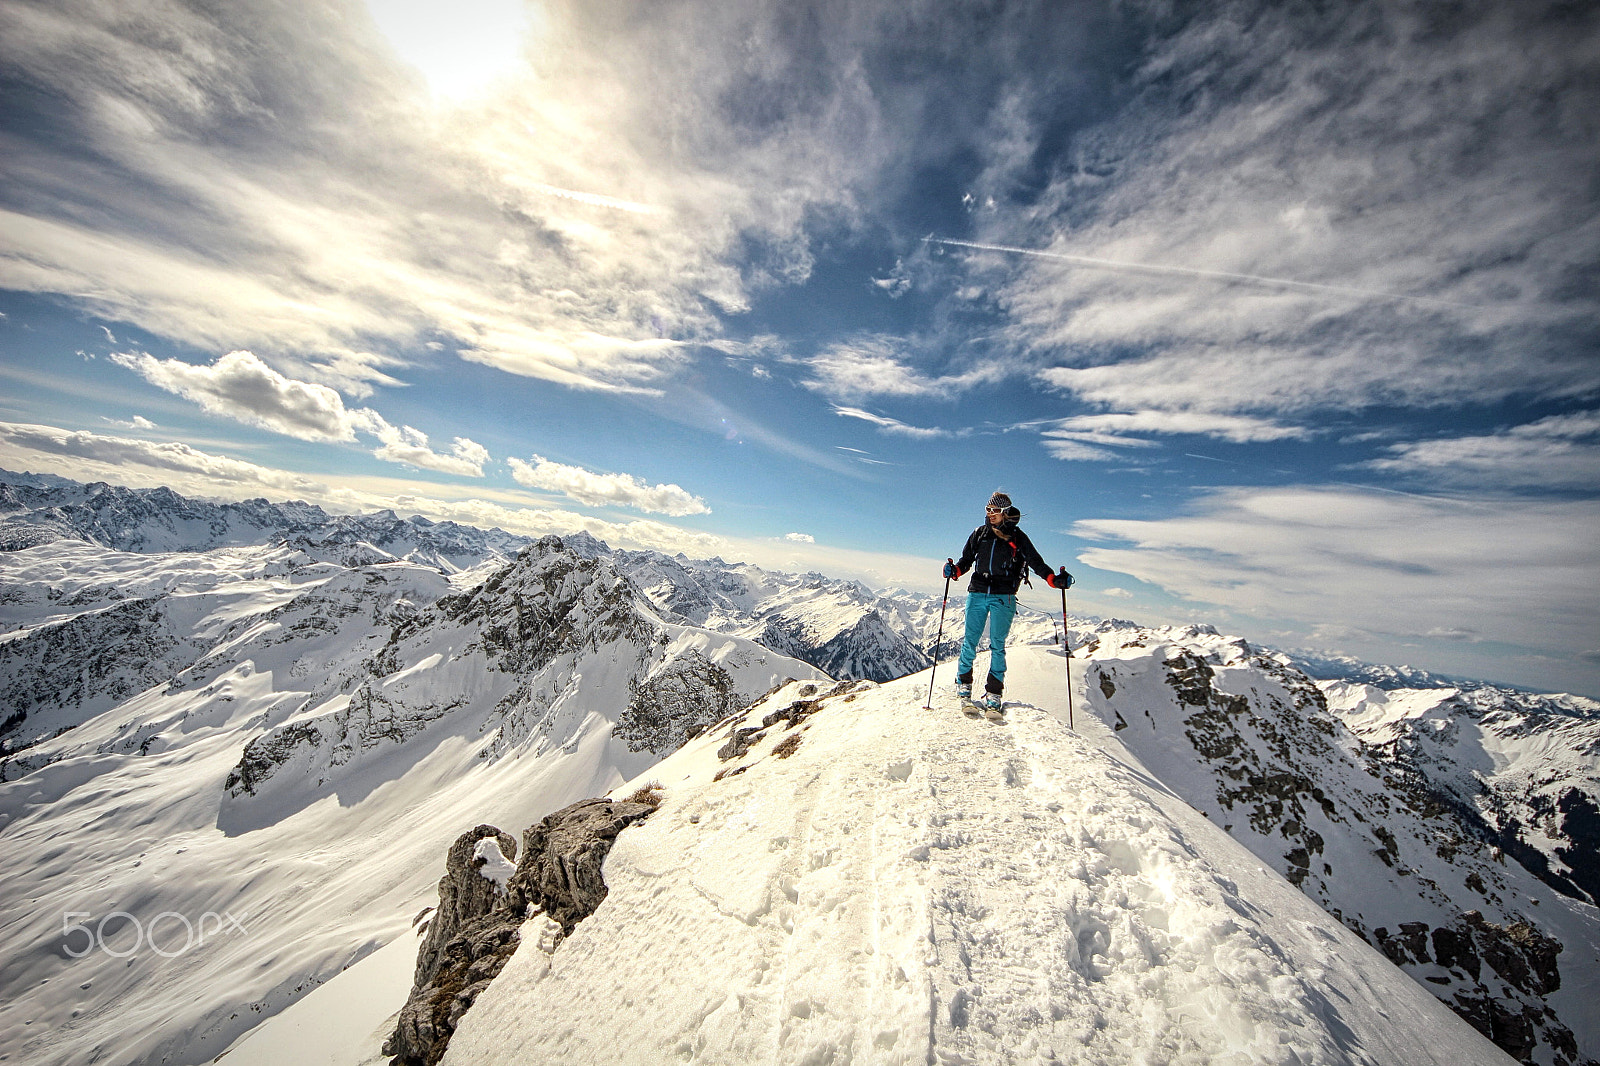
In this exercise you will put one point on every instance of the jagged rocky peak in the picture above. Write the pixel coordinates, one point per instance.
(550, 597)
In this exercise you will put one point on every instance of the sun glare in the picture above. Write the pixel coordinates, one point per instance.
(458, 46)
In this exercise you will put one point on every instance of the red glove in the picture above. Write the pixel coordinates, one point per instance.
(1059, 580)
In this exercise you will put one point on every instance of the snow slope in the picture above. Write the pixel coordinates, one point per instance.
(884, 883)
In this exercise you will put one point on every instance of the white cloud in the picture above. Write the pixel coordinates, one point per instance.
(891, 425)
(800, 538)
(1516, 572)
(240, 386)
(897, 282)
(136, 422)
(1117, 593)
(605, 490)
(874, 366)
(410, 446)
(1562, 451)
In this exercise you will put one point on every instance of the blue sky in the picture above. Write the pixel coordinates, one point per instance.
(1279, 316)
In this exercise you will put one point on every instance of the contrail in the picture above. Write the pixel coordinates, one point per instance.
(590, 198)
(1192, 272)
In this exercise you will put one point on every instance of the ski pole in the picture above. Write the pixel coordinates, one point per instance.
(938, 639)
(1066, 642)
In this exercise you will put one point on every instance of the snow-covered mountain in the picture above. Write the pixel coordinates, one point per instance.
(231, 772)
(251, 795)
(838, 626)
(160, 520)
(1326, 667)
(842, 627)
(1400, 822)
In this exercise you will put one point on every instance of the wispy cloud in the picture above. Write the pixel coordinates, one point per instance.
(1517, 572)
(605, 490)
(1089, 438)
(876, 366)
(307, 202)
(800, 538)
(891, 425)
(1275, 238)
(1191, 272)
(1559, 452)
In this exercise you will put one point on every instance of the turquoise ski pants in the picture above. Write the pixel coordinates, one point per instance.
(997, 611)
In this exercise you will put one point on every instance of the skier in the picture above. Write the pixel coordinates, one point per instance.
(1002, 555)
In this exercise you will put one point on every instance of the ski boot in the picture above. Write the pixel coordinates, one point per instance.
(994, 707)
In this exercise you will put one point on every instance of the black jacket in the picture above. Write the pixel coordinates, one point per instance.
(998, 558)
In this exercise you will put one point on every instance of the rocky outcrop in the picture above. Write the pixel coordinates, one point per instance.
(465, 895)
(559, 872)
(478, 926)
(1256, 755)
(675, 703)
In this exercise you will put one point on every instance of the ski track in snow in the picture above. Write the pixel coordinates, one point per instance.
(914, 886)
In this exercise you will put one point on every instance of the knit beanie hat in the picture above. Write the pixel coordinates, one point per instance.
(999, 499)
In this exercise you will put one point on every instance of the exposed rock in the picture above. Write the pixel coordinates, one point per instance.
(477, 928)
(465, 966)
(464, 896)
(740, 743)
(677, 702)
(559, 871)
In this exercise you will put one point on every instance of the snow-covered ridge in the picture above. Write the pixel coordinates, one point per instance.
(869, 881)
(160, 520)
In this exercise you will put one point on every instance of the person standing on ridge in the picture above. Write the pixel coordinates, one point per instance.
(999, 556)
